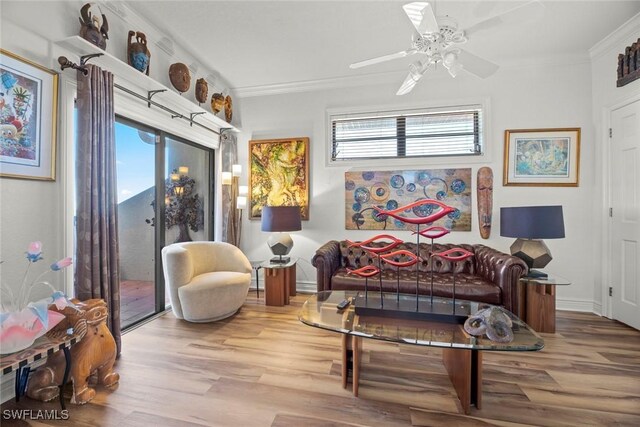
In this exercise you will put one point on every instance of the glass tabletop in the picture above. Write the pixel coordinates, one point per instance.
(551, 279)
(320, 311)
(269, 264)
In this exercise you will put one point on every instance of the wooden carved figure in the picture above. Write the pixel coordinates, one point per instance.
(485, 201)
(202, 90)
(95, 353)
(138, 55)
(180, 77)
(94, 27)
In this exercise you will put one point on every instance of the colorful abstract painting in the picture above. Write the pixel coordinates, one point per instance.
(547, 157)
(542, 157)
(392, 189)
(279, 175)
(28, 97)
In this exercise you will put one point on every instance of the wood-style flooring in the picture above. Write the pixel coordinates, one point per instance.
(263, 367)
(137, 301)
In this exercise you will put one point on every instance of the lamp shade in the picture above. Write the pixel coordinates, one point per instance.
(532, 222)
(281, 218)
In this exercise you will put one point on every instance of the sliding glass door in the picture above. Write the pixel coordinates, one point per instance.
(165, 195)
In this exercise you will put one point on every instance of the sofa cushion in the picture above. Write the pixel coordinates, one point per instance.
(354, 257)
(468, 286)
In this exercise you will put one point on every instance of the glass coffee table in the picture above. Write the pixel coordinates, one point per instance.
(462, 353)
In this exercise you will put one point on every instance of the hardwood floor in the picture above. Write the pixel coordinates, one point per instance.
(263, 367)
(137, 301)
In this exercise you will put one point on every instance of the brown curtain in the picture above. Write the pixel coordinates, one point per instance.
(96, 266)
(230, 221)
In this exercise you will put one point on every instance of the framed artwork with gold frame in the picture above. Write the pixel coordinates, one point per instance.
(542, 157)
(278, 175)
(28, 109)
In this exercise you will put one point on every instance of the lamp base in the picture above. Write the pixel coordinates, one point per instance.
(280, 260)
(537, 274)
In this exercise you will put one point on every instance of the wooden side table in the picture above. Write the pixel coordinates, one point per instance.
(279, 282)
(540, 302)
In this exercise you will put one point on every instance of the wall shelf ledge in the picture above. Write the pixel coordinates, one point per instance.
(147, 87)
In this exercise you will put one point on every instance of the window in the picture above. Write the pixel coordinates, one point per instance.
(454, 131)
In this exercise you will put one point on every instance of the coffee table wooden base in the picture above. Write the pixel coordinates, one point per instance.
(463, 366)
(465, 371)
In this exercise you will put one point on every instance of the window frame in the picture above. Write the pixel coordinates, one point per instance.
(392, 109)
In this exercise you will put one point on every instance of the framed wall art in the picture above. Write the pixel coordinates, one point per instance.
(542, 157)
(392, 189)
(28, 108)
(279, 174)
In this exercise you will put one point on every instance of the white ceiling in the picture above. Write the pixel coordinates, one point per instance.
(258, 43)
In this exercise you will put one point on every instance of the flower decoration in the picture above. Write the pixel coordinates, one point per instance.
(22, 321)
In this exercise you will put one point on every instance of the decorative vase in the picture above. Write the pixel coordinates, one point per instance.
(183, 233)
(19, 329)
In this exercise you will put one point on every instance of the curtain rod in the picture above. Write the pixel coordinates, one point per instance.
(66, 63)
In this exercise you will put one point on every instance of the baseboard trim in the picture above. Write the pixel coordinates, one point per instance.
(577, 305)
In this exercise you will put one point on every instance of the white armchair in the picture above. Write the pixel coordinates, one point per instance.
(207, 281)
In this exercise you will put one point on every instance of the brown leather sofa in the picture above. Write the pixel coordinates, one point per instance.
(489, 276)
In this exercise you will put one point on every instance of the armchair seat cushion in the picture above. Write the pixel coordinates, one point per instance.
(213, 296)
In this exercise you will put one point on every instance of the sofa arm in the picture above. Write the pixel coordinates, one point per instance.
(505, 271)
(326, 261)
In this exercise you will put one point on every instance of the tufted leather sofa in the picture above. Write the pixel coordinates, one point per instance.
(489, 276)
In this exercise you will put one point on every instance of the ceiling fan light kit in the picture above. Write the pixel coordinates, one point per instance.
(436, 39)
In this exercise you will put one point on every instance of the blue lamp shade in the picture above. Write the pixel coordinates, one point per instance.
(281, 218)
(532, 222)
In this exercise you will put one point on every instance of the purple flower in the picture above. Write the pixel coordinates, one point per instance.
(34, 251)
(65, 262)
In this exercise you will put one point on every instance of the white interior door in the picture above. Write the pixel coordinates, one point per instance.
(625, 220)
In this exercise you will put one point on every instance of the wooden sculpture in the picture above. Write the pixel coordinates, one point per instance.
(95, 353)
(485, 200)
(94, 27)
(138, 54)
(180, 77)
(629, 64)
(202, 90)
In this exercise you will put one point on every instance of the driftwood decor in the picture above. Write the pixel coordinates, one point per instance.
(629, 64)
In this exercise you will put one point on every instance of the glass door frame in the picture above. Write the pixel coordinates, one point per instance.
(160, 189)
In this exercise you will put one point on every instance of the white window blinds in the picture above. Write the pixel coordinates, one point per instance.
(423, 133)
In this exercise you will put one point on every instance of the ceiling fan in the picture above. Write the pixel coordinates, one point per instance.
(437, 39)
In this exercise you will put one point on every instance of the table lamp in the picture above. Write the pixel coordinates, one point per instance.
(529, 225)
(281, 219)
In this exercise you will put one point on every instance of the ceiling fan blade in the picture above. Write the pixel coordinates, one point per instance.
(422, 17)
(529, 11)
(382, 58)
(476, 65)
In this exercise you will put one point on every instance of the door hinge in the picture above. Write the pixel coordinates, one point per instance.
(610, 291)
(611, 212)
(610, 133)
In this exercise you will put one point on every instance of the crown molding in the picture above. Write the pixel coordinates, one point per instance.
(320, 84)
(395, 77)
(626, 33)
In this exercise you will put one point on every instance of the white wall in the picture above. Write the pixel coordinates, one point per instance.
(535, 96)
(606, 96)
